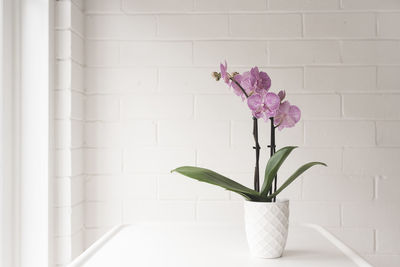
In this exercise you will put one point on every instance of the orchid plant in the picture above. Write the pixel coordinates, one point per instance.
(254, 87)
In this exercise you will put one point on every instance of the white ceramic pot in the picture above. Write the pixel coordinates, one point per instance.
(266, 227)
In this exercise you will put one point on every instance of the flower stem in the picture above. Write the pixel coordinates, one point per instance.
(257, 145)
(238, 84)
(272, 152)
(257, 148)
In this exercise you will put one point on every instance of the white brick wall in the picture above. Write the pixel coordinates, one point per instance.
(340, 25)
(135, 96)
(69, 181)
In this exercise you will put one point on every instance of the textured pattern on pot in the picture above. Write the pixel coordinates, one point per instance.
(266, 227)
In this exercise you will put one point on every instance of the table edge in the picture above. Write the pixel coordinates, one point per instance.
(97, 245)
(345, 249)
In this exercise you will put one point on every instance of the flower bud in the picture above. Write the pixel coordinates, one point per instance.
(216, 75)
(282, 94)
(234, 73)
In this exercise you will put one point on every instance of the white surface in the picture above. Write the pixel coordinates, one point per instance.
(211, 245)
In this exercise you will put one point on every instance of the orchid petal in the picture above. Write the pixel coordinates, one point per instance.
(255, 102)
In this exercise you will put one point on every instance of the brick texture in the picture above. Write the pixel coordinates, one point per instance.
(69, 113)
(135, 99)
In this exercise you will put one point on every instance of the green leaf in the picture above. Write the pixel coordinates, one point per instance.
(294, 176)
(273, 165)
(211, 177)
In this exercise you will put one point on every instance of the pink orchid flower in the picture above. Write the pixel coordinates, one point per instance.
(264, 105)
(254, 85)
(224, 73)
(287, 115)
(236, 88)
(237, 79)
(254, 81)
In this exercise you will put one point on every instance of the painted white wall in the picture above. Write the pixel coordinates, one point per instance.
(34, 140)
(149, 105)
(26, 143)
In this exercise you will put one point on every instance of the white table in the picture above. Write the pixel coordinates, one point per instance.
(211, 245)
